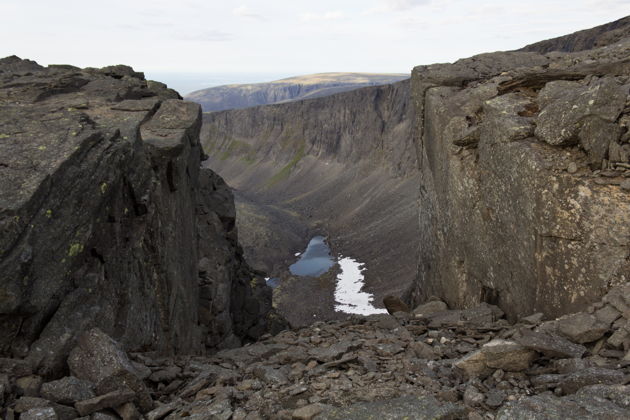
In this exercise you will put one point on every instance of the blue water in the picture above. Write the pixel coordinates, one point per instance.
(315, 261)
(273, 282)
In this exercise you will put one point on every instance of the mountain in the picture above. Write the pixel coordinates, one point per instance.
(599, 36)
(292, 89)
(452, 184)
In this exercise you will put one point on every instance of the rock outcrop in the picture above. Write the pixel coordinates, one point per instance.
(108, 220)
(596, 37)
(525, 184)
(225, 97)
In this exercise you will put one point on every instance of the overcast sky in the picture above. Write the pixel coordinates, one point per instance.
(284, 37)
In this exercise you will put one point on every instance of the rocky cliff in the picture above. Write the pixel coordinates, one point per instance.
(221, 98)
(523, 175)
(343, 165)
(108, 220)
(587, 39)
(525, 184)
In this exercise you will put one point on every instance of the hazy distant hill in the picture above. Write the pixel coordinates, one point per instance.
(295, 88)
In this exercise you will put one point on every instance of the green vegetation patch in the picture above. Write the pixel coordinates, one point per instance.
(286, 170)
(239, 148)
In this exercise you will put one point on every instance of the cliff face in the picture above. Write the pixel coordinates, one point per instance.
(587, 39)
(221, 98)
(523, 175)
(107, 219)
(343, 165)
(524, 190)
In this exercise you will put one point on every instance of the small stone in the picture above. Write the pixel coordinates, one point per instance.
(423, 351)
(29, 385)
(472, 396)
(497, 354)
(394, 304)
(495, 398)
(591, 376)
(533, 319)
(625, 184)
(430, 307)
(581, 328)
(307, 412)
(46, 413)
(572, 168)
(608, 314)
(550, 345)
(270, 375)
(110, 400)
(128, 411)
(24, 404)
(67, 390)
(163, 410)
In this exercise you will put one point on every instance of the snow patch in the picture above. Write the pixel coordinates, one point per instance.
(348, 295)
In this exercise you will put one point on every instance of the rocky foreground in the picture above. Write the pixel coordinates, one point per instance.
(433, 363)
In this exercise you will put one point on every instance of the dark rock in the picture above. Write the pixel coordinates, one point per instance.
(15, 367)
(68, 390)
(24, 404)
(495, 398)
(39, 414)
(97, 357)
(335, 351)
(163, 410)
(430, 307)
(127, 380)
(98, 137)
(128, 411)
(472, 396)
(412, 408)
(165, 375)
(29, 385)
(394, 304)
(497, 354)
(270, 375)
(550, 345)
(581, 328)
(110, 400)
(591, 376)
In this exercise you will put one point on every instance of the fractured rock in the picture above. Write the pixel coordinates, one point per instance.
(68, 390)
(497, 354)
(550, 345)
(110, 400)
(581, 328)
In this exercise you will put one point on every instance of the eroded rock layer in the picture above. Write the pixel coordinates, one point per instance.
(107, 219)
(343, 166)
(525, 197)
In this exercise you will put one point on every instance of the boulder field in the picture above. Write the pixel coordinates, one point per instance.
(430, 363)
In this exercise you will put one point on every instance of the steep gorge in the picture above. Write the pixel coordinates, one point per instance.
(343, 166)
(501, 217)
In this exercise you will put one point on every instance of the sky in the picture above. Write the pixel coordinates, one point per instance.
(207, 41)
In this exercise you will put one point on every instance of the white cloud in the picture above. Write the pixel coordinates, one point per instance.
(246, 12)
(395, 6)
(334, 15)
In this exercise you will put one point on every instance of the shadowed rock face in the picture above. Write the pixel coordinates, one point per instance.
(524, 195)
(107, 220)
